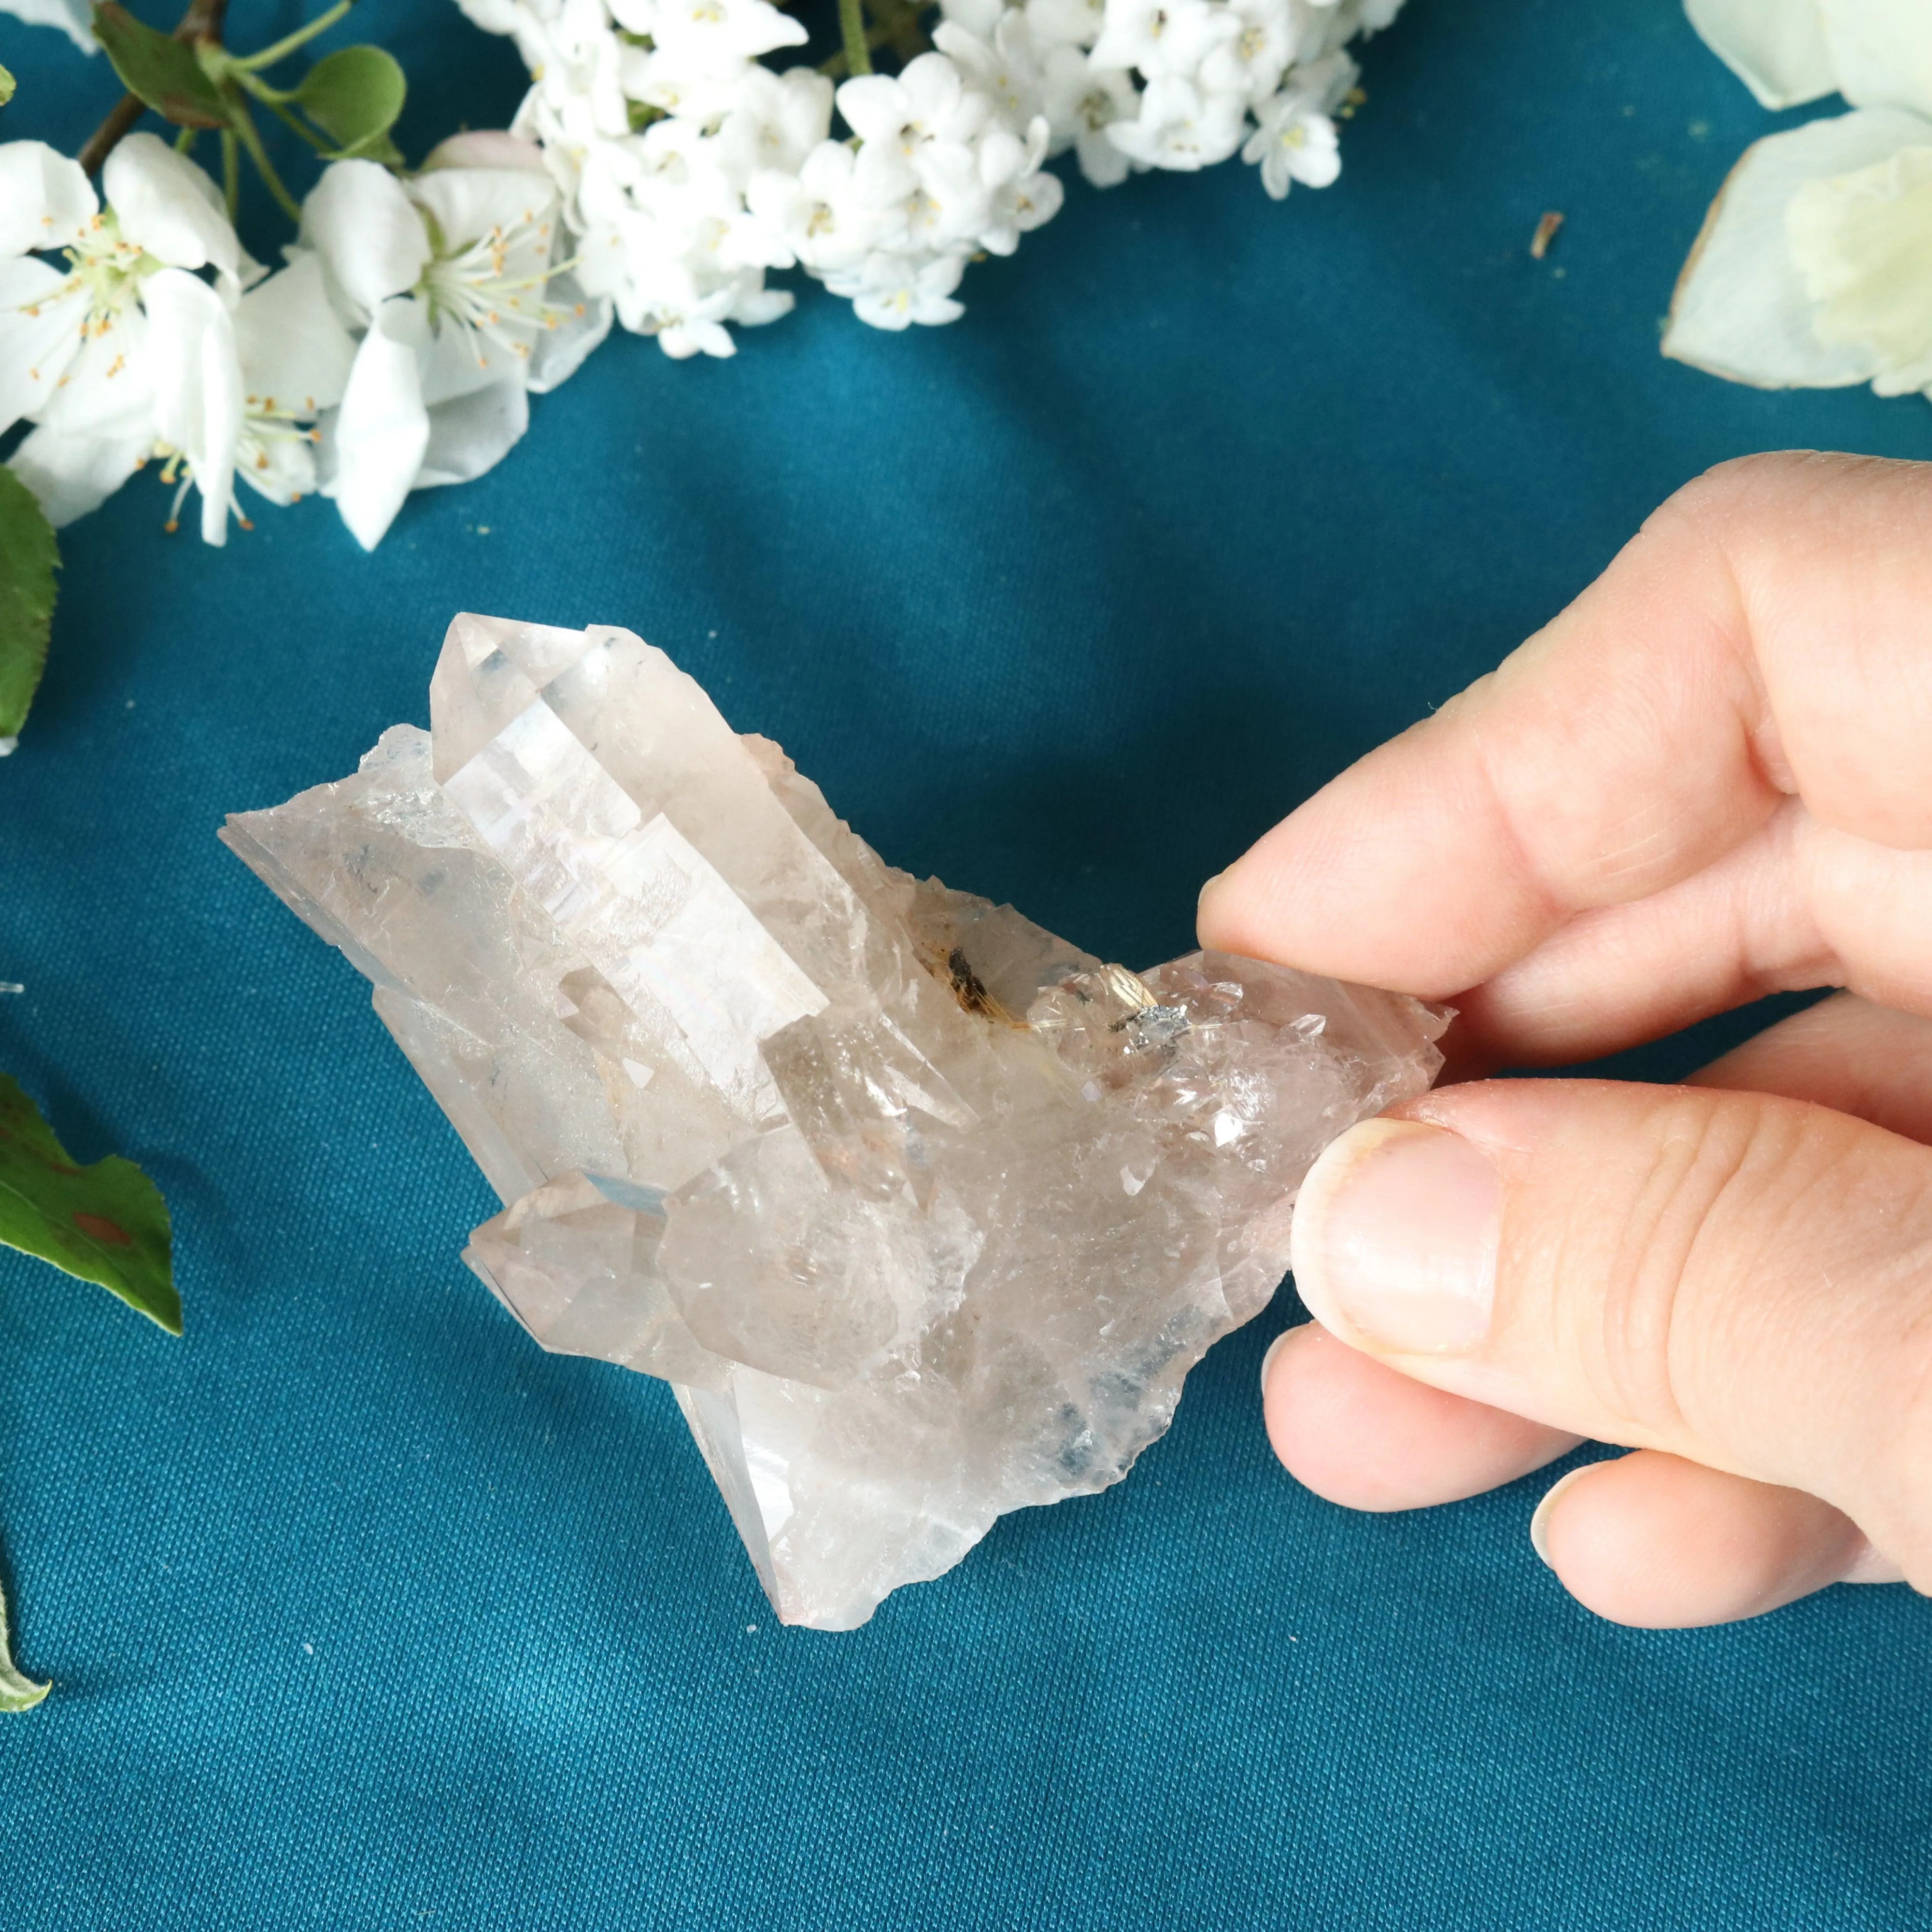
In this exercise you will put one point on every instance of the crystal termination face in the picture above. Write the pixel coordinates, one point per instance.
(924, 1213)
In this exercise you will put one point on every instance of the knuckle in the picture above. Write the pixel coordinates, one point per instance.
(1742, 487)
(1772, 482)
(1693, 1274)
(1691, 1156)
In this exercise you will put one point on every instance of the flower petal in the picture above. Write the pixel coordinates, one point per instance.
(281, 467)
(1741, 310)
(1863, 242)
(472, 434)
(41, 317)
(755, 308)
(374, 445)
(295, 355)
(368, 234)
(170, 206)
(72, 474)
(1881, 50)
(458, 362)
(874, 106)
(486, 147)
(1776, 48)
(45, 199)
(558, 353)
(197, 375)
(105, 390)
(469, 203)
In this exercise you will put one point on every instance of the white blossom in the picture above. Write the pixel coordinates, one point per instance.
(1165, 39)
(667, 235)
(699, 51)
(1082, 100)
(1863, 242)
(1814, 268)
(295, 357)
(927, 108)
(1023, 195)
(979, 17)
(81, 358)
(1251, 60)
(1788, 51)
(1005, 66)
(689, 170)
(721, 36)
(1294, 141)
(1180, 126)
(817, 217)
(890, 291)
(452, 277)
(776, 122)
(197, 375)
(697, 327)
(676, 170)
(657, 171)
(1073, 23)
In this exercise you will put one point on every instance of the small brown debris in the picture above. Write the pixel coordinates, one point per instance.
(1545, 233)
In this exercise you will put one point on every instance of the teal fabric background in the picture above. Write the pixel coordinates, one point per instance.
(365, 1613)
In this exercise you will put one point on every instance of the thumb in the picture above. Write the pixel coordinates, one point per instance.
(1740, 1280)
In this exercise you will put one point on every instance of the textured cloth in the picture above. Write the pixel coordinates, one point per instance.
(363, 1613)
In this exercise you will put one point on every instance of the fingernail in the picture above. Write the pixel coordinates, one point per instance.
(1539, 1523)
(1273, 1348)
(1395, 1237)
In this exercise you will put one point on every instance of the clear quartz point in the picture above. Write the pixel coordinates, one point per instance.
(924, 1213)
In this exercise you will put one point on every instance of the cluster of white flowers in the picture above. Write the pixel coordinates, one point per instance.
(658, 169)
(689, 170)
(395, 350)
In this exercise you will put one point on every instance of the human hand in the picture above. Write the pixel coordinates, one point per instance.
(1709, 779)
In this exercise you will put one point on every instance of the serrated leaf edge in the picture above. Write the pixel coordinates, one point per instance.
(17, 1693)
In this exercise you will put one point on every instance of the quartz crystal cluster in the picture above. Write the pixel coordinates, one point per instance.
(924, 1213)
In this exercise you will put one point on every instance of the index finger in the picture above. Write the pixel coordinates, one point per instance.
(1767, 632)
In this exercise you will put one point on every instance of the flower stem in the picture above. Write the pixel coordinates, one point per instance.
(244, 126)
(276, 101)
(894, 26)
(852, 26)
(294, 126)
(231, 173)
(107, 137)
(282, 48)
(256, 86)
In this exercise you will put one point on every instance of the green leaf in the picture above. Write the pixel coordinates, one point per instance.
(17, 1693)
(105, 1223)
(28, 558)
(166, 73)
(6, 87)
(354, 95)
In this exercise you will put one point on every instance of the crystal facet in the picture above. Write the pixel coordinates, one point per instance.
(924, 1212)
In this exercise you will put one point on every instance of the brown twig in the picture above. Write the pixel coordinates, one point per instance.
(107, 137)
(202, 21)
